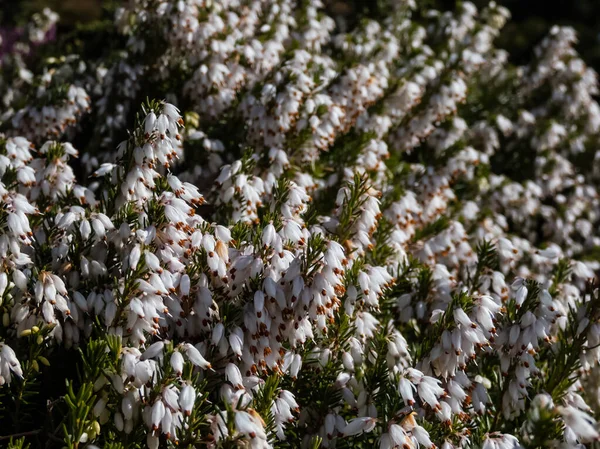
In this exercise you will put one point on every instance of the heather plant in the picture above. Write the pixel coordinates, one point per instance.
(232, 224)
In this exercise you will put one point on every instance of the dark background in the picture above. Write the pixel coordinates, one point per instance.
(531, 19)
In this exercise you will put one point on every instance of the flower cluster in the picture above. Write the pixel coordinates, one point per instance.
(317, 237)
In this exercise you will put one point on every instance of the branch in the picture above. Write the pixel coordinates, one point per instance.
(22, 434)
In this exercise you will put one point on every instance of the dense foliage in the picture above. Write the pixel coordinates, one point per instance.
(233, 224)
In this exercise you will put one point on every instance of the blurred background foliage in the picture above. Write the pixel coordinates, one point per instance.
(531, 19)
